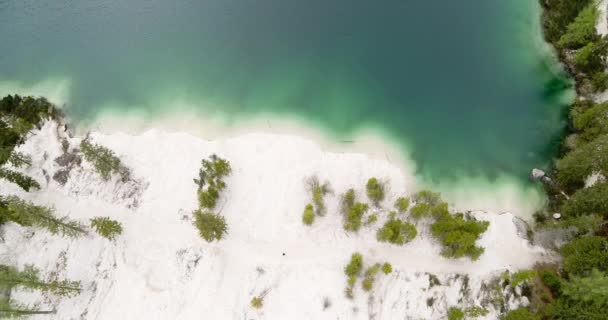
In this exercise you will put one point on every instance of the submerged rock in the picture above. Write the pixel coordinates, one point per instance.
(538, 174)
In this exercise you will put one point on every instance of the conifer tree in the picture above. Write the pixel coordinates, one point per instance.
(29, 278)
(12, 310)
(27, 214)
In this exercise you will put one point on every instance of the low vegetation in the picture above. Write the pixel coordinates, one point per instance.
(375, 190)
(396, 232)
(211, 225)
(318, 191)
(308, 217)
(455, 313)
(354, 270)
(369, 277)
(257, 302)
(387, 268)
(458, 235)
(106, 227)
(104, 160)
(354, 216)
(402, 204)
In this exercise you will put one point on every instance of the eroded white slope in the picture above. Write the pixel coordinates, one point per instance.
(160, 268)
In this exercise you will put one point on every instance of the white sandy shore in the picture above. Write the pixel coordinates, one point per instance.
(602, 23)
(160, 268)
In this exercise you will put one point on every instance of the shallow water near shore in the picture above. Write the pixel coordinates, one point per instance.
(466, 90)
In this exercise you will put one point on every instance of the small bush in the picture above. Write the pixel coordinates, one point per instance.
(458, 236)
(402, 204)
(421, 210)
(318, 191)
(476, 311)
(208, 198)
(455, 314)
(428, 197)
(355, 214)
(522, 276)
(552, 281)
(257, 302)
(212, 173)
(106, 227)
(387, 268)
(347, 201)
(370, 277)
(396, 232)
(211, 226)
(375, 190)
(308, 217)
(519, 314)
(353, 269)
(371, 219)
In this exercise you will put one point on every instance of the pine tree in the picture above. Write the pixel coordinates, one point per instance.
(29, 278)
(12, 310)
(104, 160)
(27, 214)
(106, 227)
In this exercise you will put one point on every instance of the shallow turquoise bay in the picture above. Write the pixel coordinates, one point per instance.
(463, 87)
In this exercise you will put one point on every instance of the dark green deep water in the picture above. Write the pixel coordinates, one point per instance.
(463, 87)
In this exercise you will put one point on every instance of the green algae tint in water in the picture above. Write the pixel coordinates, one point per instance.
(462, 85)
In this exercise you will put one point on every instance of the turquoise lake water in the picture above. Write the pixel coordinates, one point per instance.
(463, 87)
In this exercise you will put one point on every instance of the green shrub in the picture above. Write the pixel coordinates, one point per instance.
(522, 276)
(396, 232)
(402, 204)
(428, 197)
(552, 281)
(455, 314)
(591, 290)
(104, 161)
(106, 227)
(371, 219)
(588, 201)
(354, 267)
(590, 58)
(308, 217)
(375, 190)
(476, 311)
(387, 268)
(577, 165)
(257, 302)
(370, 277)
(347, 201)
(520, 314)
(584, 254)
(458, 236)
(208, 198)
(210, 226)
(558, 14)
(355, 214)
(212, 173)
(318, 191)
(582, 30)
(421, 210)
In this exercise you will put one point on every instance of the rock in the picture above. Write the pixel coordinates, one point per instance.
(538, 174)
(68, 160)
(557, 216)
(61, 176)
(523, 229)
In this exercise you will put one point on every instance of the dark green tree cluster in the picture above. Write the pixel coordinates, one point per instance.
(211, 225)
(27, 214)
(18, 116)
(106, 227)
(577, 289)
(104, 161)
